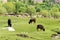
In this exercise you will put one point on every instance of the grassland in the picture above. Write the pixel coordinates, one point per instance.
(21, 26)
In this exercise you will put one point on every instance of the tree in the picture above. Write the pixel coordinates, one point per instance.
(22, 10)
(20, 7)
(11, 0)
(31, 2)
(31, 10)
(54, 11)
(45, 13)
(1, 4)
(2, 10)
(10, 7)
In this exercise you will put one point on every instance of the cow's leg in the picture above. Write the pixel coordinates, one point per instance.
(10, 25)
(34, 21)
(37, 28)
(30, 21)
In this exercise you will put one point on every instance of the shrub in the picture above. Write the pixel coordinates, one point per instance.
(1, 4)
(37, 7)
(22, 10)
(56, 15)
(2, 10)
(10, 7)
(45, 13)
(54, 11)
(31, 10)
(20, 7)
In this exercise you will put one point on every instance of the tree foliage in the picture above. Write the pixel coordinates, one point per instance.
(31, 10)
(3, 10)
(20, 7)
(47, 8)
(10, 7)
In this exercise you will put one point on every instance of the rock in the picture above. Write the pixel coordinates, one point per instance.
(22, 35)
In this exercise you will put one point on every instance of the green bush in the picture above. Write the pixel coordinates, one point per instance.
(20, 7)
(45, 6)
(42, 6)
(22, 10)
(1, 4)
(37, 7)
(2, 10)
(10, 7)
(45, 13)
(11, 0)
(30, 2)
(54, 12)
(31, 10)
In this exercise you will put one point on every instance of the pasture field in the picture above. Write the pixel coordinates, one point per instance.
(22, 27)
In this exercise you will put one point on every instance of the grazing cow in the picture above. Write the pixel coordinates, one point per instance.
(32, 20)
(40, 27)
(9, 23)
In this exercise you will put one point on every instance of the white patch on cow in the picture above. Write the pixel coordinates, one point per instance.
(9, 28)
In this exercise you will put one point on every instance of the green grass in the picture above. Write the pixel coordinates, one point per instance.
(21, 25)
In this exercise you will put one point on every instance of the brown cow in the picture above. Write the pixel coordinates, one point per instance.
(40, 27)
(32, 20)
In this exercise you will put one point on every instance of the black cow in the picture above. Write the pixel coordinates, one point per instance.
(32, 20)
(40, 27)
(9, 23)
